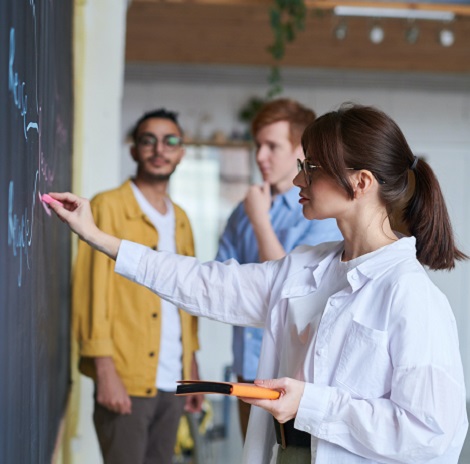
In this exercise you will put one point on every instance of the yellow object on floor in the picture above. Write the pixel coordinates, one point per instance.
(184, 439)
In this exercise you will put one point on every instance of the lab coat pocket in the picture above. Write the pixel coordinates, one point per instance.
(365, 368)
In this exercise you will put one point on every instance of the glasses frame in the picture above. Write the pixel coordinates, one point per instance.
(308, 168)
(164, 142)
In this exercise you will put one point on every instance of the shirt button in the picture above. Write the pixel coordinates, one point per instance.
(154, 315)
(354, 277)
(320, 352)
(249, 335)
(149, 391)
(151, 354)
(332, 303)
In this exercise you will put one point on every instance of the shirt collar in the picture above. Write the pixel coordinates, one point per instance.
(301, 283)
(289, 198)
(401, 250)
(316, 260)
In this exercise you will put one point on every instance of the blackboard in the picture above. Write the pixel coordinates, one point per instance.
(35, 157)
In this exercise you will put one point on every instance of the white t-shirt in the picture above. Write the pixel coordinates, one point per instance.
(170, 366)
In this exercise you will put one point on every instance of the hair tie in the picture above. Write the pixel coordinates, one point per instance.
(414, 163)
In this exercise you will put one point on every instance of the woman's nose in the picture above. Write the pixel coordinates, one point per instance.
(299, 180)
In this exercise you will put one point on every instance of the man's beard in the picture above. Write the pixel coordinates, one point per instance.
(161, 177)
(156, 177)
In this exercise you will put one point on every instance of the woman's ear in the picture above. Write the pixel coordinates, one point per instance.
(363, 181)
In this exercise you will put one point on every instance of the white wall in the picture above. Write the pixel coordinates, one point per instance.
(98, 83)
(433, 112)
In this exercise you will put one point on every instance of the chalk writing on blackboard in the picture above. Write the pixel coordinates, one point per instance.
(20, 228)
(36, 111)
(17, 89)
(21, 217)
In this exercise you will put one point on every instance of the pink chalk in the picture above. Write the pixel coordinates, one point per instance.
(48, 199)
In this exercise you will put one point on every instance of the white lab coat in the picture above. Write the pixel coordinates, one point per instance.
(389, 382)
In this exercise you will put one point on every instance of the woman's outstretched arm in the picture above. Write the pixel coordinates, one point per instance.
(76, 213)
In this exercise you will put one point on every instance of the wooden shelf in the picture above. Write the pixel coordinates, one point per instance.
(226, 144)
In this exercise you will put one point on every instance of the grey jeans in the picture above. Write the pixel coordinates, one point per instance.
(147, 436)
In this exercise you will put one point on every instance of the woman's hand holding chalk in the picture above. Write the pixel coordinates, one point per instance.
(76, 212)
(48, 199)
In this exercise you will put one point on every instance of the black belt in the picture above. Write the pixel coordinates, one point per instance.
(287, 435)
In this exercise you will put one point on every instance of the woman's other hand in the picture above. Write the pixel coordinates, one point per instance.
(286, 406)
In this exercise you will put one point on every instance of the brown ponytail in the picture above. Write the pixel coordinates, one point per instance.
(363, 137)
(428, 220)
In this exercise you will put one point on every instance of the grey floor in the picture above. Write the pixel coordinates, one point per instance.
(221, 442)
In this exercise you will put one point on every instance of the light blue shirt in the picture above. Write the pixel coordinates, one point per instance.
(239, 242)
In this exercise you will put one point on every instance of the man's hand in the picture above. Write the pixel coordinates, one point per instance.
(257, 203)
(285, 408)
(257, 206)
(111, 392)
(194, 403)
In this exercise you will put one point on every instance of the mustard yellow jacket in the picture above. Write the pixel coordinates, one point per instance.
(115, 317)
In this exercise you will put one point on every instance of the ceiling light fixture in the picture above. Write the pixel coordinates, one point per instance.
(376, 34)
(446, 37)
(341, 31)
(393, 13)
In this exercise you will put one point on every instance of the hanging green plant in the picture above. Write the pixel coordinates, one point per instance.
(287, 18)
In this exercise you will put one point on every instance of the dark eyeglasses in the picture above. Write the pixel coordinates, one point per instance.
(308, 169)
(147, 142)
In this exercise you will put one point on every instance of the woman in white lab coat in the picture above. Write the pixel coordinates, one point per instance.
(362, 345)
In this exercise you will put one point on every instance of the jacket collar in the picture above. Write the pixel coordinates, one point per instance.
(129, 202)
(132, 209)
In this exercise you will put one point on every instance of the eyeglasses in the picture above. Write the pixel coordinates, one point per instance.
(147, 142)
(308, 169)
